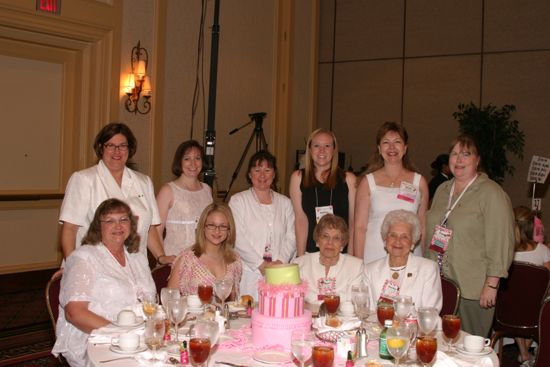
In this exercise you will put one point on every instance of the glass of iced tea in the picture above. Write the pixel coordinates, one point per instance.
(199, 349)
(322, 356)
(384, 311)
(451, 328)
(205, 292)
(426, 347)
(332, 302)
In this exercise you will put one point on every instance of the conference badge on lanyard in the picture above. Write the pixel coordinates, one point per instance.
(321, 211)
(440, 239)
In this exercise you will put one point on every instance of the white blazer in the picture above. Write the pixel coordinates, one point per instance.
(421, 281)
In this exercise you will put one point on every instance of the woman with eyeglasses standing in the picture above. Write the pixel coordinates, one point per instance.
(114, 145)
(212, 257)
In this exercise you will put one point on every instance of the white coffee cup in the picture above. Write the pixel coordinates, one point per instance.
(126, 317)
(193, 301)
(475, 344)
(347, 309)
(126, 341)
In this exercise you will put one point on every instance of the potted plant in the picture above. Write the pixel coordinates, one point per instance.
(496, 134)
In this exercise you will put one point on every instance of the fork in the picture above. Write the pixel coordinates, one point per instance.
(115, 359)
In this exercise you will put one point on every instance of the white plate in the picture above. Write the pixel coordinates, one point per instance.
(116, 349)
(199, 309)
(139, 321)
(235, 307)
(460, 349)
(272, 357)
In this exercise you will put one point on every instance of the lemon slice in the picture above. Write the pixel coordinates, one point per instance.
(396, 343)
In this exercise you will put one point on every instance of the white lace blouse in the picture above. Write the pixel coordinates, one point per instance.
(93, 275)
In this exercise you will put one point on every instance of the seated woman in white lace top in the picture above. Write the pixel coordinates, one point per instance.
(100, 279)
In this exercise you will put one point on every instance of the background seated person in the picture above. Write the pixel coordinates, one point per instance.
(329, 271)
(103, 277)
(401, 272)
(212, 257)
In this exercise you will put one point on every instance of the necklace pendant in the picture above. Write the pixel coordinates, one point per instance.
(395, 275)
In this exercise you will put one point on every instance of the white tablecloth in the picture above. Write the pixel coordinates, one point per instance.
(101, 352)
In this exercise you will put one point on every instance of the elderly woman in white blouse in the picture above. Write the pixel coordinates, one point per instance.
(264, 221)
(103, 277)
(400, 272)
(329, 271)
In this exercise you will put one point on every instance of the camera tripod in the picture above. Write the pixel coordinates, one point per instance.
(261, 143)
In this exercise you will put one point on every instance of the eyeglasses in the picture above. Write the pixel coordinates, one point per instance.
(337, 239)
(112, 147)
(213, 227)
(111, 222)
(464, 154)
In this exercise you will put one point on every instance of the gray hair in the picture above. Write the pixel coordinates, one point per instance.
(401, 216)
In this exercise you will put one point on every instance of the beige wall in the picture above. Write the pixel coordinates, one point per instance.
(415, 65)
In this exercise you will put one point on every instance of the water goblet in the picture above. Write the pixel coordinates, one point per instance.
(153, 336)
(427, 319)
(301, 342)
(205, 292)
(149, 302)
(403, 306)
(451, 329)
(168, 294)
(361, 304)
(426, 348)
(223, 288)
(177, 309)
(204, 337)
(398, 341)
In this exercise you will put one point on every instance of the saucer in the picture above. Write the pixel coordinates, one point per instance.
(460, 349)
(272, 357)
(199, 309)
(116, 349)
(139, 321)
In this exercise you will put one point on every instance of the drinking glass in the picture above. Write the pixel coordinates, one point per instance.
(301, 342)
(403, 306)
(322, 356)
(360, 302)
(412, 325)
(451, 329)
(149, 302)
(177, 309)
(427, 319)
(384, 311)
(205, 292)
(204, 337)
(332, 302)
(426, 347)
(223, 289)
(398, 341)
(153, 336)
(168, 294)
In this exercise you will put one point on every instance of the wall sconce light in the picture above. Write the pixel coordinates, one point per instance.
(138, 87)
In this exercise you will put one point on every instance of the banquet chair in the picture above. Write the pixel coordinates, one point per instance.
(52, 298)
(519, 301)
(160, 275)
(543, 354)
(451, 296)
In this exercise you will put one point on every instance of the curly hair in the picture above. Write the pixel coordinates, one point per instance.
(398, 217)
(331, 221)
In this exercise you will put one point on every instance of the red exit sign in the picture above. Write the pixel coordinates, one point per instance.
(49, 6)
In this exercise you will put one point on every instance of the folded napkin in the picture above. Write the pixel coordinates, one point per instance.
(106, 333)
(444, 360)
(348, 323)
(146, 358)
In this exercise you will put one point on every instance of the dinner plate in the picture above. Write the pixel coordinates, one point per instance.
(272, 357)
(139, 321)
(195, 309)
(235, 306)
(485, 351)
(116, 349)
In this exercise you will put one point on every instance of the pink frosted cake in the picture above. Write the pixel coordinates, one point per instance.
(280, 307)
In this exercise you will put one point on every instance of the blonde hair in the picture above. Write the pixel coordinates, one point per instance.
(309, 179)
(525, 220)
(228, 244)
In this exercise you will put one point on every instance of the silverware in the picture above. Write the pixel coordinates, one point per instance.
(230, 364)
(190, 330)
(115, 359)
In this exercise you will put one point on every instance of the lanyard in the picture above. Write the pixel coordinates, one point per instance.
(317, 198)
(449, 207)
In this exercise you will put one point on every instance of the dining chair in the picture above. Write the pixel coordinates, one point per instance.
(160, 275)
(451, 296)
(52, 298)
(519, 301)
(543, 350)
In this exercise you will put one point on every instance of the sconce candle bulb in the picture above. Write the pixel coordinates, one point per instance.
(138, 89)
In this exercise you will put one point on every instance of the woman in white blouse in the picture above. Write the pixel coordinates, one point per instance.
(264, 221)
(101, 278)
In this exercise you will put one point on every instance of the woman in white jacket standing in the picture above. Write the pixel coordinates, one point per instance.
(264, 220)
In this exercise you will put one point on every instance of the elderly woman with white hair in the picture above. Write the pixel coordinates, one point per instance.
(401, 272)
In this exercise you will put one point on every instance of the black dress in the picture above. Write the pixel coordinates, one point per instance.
(339, 202)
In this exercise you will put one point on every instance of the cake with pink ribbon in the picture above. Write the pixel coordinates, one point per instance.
(280, 307)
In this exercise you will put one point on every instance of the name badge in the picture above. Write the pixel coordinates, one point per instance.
(390, 290)
(440, 239)
(325, 286)
(321, 211)
(407, 192)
